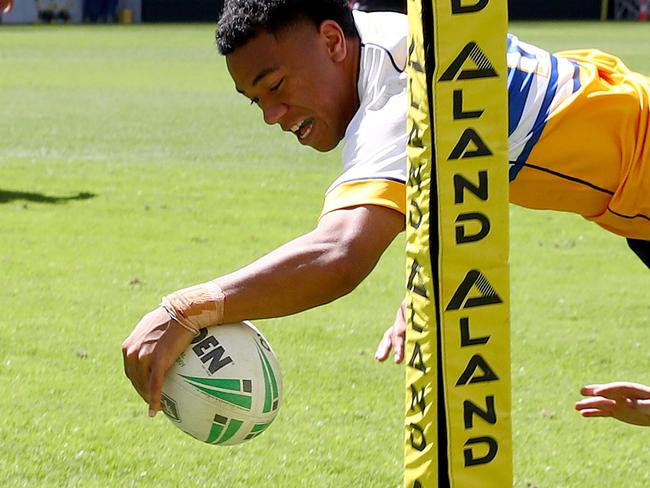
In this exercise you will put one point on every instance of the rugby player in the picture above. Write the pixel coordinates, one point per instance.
(579, 123)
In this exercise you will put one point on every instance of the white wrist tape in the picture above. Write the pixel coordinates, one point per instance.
(196, 307)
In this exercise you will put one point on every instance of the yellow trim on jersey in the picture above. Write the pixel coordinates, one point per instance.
(385, 193)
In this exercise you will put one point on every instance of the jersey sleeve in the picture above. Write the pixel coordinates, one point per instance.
(374, 146)
(382, 192)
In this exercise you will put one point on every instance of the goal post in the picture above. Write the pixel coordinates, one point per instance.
(458, 398)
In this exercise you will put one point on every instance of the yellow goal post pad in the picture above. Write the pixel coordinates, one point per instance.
(458, 387)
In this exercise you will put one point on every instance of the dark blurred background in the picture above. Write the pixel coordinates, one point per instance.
(134, 11)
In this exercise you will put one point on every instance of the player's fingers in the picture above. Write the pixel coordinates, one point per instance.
(133, 378)
(623, 389)
(401, 313)
(398, 344)
(166, 344)
(589, 389)
(141, 374)
(156, 378)
(399, 332)
(125, 359)
(383, 349)
(130, 358)
(595, 413)
(599, 403)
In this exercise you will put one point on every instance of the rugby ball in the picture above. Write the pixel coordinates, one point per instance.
(226, 387)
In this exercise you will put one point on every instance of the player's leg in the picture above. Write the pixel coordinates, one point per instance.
(641, 249)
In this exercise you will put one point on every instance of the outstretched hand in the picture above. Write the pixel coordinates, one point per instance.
(5, 6)
(150, 350)
(394, 338)
(627, 402)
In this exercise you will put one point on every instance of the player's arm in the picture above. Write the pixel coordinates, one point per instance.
(314, 269)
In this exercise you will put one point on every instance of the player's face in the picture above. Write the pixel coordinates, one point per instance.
(303, 78)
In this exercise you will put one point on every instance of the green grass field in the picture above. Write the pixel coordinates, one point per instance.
(129, 167)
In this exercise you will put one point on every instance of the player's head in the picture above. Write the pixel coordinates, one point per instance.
(298, 60)
(242, 20)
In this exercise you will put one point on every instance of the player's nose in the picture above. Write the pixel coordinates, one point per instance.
(273, 113)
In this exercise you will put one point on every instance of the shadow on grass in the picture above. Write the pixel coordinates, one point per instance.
(7, 196)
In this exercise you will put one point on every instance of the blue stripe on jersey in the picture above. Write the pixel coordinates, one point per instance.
(523, 52)
(576, 76)
(540, 121)
(516, 47)
(519, 83)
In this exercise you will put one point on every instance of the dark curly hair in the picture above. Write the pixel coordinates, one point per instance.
(241, 20)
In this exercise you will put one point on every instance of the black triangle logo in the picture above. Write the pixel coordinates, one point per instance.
(474, 279)
(483, 69)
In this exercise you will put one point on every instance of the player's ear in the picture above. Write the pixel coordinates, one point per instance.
(334, 37)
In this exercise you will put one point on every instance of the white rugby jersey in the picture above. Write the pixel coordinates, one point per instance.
(374, 145)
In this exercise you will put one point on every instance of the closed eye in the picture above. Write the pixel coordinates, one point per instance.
(277, 85)
(273, 88)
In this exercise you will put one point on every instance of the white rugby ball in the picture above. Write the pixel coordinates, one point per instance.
(226, 387)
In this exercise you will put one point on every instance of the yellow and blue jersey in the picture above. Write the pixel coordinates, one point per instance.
(578, 136)
(538, 83)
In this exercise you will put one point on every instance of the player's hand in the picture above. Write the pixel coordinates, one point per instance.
(627, 402)
(150, 350)
(5, 6)
(394, 338)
